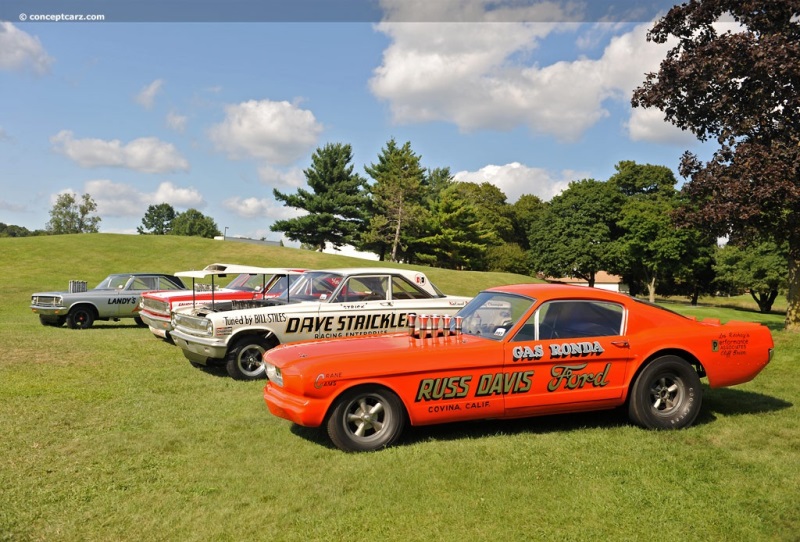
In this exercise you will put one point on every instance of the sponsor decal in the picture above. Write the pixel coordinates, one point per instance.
(250, 319)
(569, 377)
(458, 387)
(558, 351)
(527, 352)
(122, 301)
(325, 380)
(731, 344)
(223, 331)
(346, 325)
(574, 350)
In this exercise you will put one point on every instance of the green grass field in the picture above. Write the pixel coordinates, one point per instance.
(110, 434)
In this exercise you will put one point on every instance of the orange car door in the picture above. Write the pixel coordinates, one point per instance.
(566, 353)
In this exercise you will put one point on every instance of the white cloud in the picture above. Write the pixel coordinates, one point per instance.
(482, 76)
(147, 96)
(282, 179)
(649, 125)
(119, 199)
(146, 154)
(12, 207)
(516, 179)
(19, 51)
(265, 209)
(278, 132)
(176, 122)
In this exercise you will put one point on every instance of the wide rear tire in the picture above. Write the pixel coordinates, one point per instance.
(666, 395)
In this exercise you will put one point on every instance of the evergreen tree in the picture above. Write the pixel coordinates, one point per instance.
(397, 200)
(336, 206)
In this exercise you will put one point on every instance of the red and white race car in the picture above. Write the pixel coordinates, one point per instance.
(249, 283)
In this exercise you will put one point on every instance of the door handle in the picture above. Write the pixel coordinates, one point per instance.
(621, 344)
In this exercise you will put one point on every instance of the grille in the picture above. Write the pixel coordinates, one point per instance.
(155, 305)
(46, 301)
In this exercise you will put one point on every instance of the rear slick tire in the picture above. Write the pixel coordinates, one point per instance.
(666, 395)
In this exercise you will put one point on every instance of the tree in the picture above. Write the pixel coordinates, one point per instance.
(758, 268)
(11, 230)
(524, 212)
(739, 87)
(158, 220)
(397, 199)
(69, 216)
(194, 223)
(454, 238)
(336, 207)
(651, 249)
(573, 237)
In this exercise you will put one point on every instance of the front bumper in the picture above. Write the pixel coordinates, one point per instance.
(49, 312)
(198, 349)
(305, 411)
(159, 325)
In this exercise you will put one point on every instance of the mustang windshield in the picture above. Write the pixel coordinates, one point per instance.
(492, 314)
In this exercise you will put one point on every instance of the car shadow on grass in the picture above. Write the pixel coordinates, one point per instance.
(732, 402)
(721, 401)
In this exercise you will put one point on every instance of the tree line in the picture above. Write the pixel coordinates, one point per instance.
(737, 87)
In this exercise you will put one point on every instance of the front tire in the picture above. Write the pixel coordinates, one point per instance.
(80, 318)
(366, 419)
(245, 361)
(666, 395)
(139, 321)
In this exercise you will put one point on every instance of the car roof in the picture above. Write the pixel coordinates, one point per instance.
(551, 291)
(227, 268)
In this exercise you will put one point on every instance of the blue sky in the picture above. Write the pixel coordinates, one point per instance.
(214, 115)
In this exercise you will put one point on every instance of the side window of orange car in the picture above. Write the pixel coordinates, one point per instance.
(571, 320)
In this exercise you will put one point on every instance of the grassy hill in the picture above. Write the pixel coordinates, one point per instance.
(49, 263)
(110, 434)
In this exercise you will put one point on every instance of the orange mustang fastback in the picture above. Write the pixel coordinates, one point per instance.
(514, 351)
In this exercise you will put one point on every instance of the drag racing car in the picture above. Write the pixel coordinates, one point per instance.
(514, 351)
(248, 283)
(117, 296)
(328, 304)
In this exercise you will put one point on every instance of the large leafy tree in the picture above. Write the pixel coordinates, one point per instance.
(69, 215)
(573, 237)
(740, 88)
(651, 249)
(757, 267)
(157, 220)
(398, 195)
(336, 205)
(194, 223)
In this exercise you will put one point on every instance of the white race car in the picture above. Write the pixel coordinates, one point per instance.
(248, 283)
(320, 305)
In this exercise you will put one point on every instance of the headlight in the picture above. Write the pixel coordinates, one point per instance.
(274, 374)
(209, 328)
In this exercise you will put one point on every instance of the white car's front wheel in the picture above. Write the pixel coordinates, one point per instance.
(245, 361)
